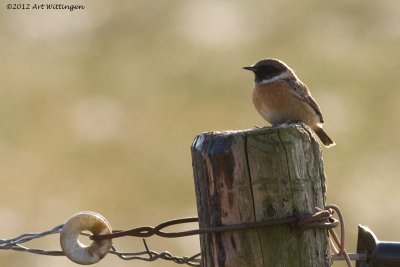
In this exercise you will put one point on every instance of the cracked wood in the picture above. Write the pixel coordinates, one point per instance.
(257, 175)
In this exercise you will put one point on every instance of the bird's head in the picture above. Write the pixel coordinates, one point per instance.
(267, 70)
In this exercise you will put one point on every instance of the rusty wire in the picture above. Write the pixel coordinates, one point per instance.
(322, 218)
(340, 251)
(150, 255)
(317, 220)
(145, 255)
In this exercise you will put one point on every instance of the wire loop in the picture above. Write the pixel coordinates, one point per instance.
(340, 243)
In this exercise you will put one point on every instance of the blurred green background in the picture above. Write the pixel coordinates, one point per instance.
(98, 108)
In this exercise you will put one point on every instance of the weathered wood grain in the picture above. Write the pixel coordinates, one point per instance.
(258, 175)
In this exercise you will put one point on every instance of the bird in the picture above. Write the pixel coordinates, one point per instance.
(281, 97)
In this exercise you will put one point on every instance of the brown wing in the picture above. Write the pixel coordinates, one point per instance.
(301, 91)
(315, 106)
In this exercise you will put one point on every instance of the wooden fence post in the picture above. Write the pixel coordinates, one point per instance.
(258, 175)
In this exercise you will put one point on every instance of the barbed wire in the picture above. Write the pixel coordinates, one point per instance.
(149, 255)
(322, 218)
(146, 255)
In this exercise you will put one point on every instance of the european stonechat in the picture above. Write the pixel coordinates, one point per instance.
(279, 96)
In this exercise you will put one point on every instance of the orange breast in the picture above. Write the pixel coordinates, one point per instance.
(277, 103)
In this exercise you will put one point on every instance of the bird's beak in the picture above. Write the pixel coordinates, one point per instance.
(249, 68)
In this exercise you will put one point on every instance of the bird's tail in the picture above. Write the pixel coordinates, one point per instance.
(325, 139)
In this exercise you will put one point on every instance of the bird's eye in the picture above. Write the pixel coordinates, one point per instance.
(271, 70)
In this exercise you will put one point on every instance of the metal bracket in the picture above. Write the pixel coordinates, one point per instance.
(378, 253)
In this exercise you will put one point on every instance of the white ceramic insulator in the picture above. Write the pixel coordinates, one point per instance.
(74, 249)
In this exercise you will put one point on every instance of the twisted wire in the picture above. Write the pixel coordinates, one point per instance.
(322, 218)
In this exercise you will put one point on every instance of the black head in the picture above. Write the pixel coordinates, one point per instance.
(267, 69)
